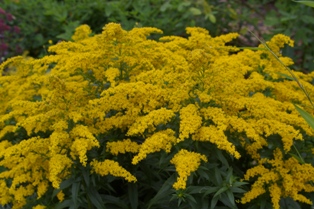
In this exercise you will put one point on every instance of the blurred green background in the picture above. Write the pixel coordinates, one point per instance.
(26, 26)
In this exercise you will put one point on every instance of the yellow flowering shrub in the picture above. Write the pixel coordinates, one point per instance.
(121, 108)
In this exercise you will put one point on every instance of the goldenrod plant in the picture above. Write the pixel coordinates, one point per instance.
(118, 120)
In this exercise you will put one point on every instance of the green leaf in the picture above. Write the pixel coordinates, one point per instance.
(195, 11)
(263, 204)
(65, 184)
(214, 202)
(197, 189)
(252, 48)
(212, 18)
(2, 168)
(205, 203)
(307, 19)
(182, 6)
(237, 190)
(222, 158)
(285, 76)
(133, 195)
(218, 176)
(289, 203)
(61, 16)
(75, 192)
(95, 198)
(164, 191)
(203, 174)
(225, 200)
(190, 198)
(55, 192)
(288, 18)
(108, 9)
(86, 175)
(165, 6)
(300, 160)
(229, 176)
(211, 190)
(64, 204)
(307, 117)
(115, 201)
(307, 3)
(69, 30)
(230, 197)
(239, 183)
(221, 190)
(232, 13)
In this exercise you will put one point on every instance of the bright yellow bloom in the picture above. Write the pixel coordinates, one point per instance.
(162, 140)
(60, 196)
(275, 194)
(286, 178)
(217, 137)
(190, 121)
(84, 141)
(58, 166)
(126, 145)
(150, 121)
(82, 32)
(111, 167)
(186, 162)
(111, 75)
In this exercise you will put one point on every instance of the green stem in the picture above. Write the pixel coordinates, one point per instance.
(290, 71)
(299, 154)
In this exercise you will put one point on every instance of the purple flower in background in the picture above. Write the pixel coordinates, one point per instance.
(3, 46)
(3, 26)
(3, 49)
(10, 17)
(9, 36)
(16, 29)
(2, 11)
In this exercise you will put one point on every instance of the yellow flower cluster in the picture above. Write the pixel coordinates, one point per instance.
(58, 166)
(83, 141)
(56, 109)
(186, 162)
(122, 147)
(81, 33)
(190, 121)
(150, 121)
(216, 136)
(60, 196)
(113, 168)
(285, 178)
(162, 140)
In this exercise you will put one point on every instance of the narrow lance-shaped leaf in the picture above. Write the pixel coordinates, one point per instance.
(307, 117)
(252, 48)
(307, 3)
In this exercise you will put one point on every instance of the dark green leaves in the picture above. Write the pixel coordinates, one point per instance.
(163, 192)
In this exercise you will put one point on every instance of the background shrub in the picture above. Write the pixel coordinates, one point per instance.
(41, 21)
(9, 36)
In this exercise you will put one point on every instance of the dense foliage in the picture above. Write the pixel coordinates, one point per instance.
(9, 36)
(41, 21)
(118, 120)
